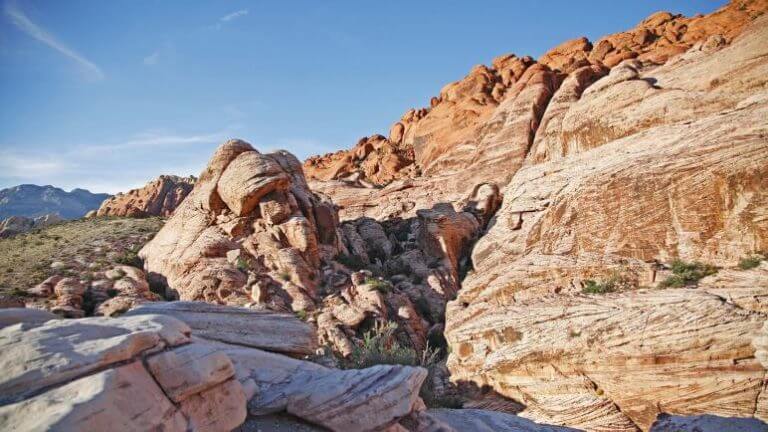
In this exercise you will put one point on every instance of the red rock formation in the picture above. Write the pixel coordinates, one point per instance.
(482, 127)
(160, 197)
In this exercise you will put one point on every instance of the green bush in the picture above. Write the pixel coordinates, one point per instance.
(379, 346)
(129, 257)
(685, 274)
(595, 287)
(750, 262)
(615, 281)
(379, 285)
(242, 264)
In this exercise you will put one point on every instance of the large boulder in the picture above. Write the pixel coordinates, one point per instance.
(250, 226)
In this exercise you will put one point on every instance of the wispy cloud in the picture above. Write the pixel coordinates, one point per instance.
(20, 19)
(234, 15)
(112, 166)
(20, 165)
(230, 17)
(152, 59)
(157, 141)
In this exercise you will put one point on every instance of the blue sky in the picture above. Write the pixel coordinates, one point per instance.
(107, 95)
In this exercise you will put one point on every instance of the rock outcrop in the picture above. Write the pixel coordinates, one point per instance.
(282, 333)
(153, 372)
(159, 197)
(482, 128)
(250, 231)
(19, 224)
(645, 166)
(140, 373)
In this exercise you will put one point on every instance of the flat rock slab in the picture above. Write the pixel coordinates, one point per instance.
(476, 420)
(269, 331)
(190, 369)
(707, 423)
(36, 356)
(11, 316)
(340, 400)
(120, 399)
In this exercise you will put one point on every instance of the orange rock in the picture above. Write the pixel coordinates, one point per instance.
(160, 197)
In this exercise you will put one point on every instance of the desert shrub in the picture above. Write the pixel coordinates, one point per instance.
(301, 314)
(352, 261)
(379, 285)
(379, 346)
(684, 274)
(284, 276)
(750, 262)
(595, 287)
(242, 264)
(129, 257)
(614, 282)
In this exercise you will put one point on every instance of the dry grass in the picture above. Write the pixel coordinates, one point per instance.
(81, 247)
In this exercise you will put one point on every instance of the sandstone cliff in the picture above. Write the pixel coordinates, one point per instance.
(616, 159)
(160, 197)
(482, 127)
(647, 165)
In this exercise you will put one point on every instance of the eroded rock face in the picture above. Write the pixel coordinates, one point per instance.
(160, 197)
(618, 189)
(248, 231)
(483, 127)
(418, 264)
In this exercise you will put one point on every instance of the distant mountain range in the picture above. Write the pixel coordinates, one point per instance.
(33, 201)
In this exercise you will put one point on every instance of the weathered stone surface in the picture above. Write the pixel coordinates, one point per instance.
(159, 197)
(707, 423)
(259, 329)
(247, 178)
(124, 398)
(744, 288)
(36, 356)
(220, 408)
(449, 420)
(340, 400)
(610, 361)
(222, 214)
(11, 316)
(189, 369)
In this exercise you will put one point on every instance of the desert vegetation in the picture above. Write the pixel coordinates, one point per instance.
(78, 248)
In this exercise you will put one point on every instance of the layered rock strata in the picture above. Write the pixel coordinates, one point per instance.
(482, 128)
(646, 166)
